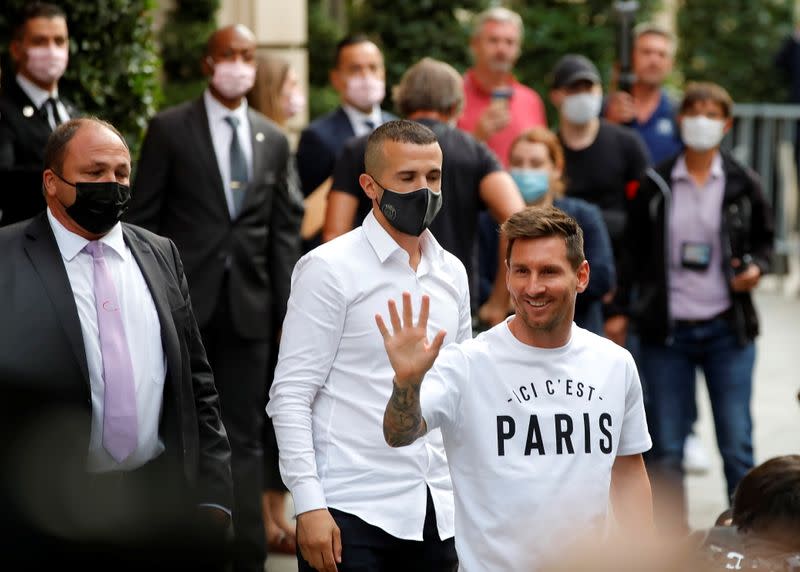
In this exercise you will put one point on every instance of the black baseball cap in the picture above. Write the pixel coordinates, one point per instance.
(572, 68)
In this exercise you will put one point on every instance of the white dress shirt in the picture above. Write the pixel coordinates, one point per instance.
(333, 381)
(142, 330)
(221, 137)
(38, 96)
(358, 119)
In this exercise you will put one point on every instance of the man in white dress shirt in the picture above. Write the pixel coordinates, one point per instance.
(111, 421)
(360, 504)
(543, 421)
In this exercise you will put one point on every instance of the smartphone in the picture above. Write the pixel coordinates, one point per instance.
(501, 96)
(746, 260)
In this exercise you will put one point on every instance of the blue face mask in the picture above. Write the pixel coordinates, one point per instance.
(532, 183)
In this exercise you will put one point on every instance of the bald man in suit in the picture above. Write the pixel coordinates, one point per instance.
(216, 177)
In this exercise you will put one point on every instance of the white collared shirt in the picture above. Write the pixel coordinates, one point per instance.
(221, 137)
(358, 119)
(142, 330)
(333, 381)
(38, 96)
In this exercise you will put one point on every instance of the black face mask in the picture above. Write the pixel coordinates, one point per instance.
(98, 206)
(410, 213)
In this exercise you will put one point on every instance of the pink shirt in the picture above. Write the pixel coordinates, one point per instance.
(526, 107)
(696, 217)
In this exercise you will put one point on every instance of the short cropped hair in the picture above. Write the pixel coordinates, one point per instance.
(430, 85)
(400, 131)
(545, 222)
(36, 10)
(351, 40)
(59, 139)
(698, 91)
(497, 14)
(651, 28)
(769, 495)
(554, 150)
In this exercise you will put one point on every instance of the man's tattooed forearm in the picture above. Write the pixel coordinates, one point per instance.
(402, 421)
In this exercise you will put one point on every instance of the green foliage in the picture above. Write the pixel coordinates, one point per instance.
(323, 34)
(183, 40)
(557, 27)
(113, 65)
(733, 43)
(409, 31)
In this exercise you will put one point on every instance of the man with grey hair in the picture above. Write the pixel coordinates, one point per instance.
(648, 108)
(431, 93)
(498, 108)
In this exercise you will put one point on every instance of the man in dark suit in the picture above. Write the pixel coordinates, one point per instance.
(359, 78)
(112, 430)
(30, 108)
(215, 177)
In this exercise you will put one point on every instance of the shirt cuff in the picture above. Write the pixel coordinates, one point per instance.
(213, 505)
(308, 496)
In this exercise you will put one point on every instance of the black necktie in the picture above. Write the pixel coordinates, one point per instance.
(370, 124)
(52, 104)
(239, 175)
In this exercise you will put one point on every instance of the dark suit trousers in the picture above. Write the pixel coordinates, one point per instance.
(132, 520)
(240, 372)
(367, 548)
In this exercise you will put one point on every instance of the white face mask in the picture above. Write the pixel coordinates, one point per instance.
(701, 133)
(365, 91)
(581, 108)
(47, 64)
(233, 79)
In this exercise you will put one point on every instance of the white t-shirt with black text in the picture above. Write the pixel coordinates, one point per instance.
(531, 435)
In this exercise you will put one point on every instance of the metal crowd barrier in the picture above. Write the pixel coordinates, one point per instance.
(765, 137)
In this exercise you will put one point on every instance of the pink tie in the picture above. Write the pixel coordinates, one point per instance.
(120, 427)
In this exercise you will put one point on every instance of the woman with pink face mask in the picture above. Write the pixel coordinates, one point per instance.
(276, 92)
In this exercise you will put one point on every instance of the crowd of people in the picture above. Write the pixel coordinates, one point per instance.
(185, 346)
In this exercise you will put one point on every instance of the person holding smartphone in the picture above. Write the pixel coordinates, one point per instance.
(699, 235)
(497, 107)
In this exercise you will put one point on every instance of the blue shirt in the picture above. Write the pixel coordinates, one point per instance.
(660, 132)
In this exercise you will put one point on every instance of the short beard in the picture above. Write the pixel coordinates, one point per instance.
(545, 327)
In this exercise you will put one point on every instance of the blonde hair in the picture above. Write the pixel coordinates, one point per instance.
(265, 97)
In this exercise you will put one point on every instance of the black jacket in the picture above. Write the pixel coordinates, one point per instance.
(24, 131)
(45, 410)
(747, 229)
(178, 193)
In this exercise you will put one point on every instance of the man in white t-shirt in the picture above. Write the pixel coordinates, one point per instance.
(543, 421)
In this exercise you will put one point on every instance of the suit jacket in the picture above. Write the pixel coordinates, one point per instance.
(320, 144)
(46, 406)
(178, 192)
(23, 135)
